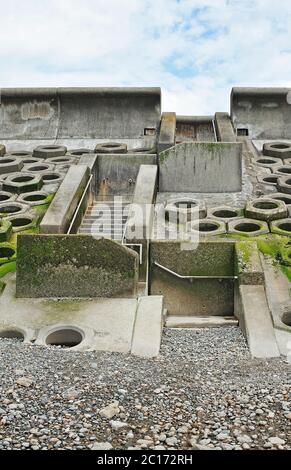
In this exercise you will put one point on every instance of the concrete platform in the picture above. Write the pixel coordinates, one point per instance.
(118, 325)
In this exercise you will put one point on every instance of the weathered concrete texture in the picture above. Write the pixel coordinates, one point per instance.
(80, 113)
(197, 297)
(248, 264)
(264, 112)
(56, 266)
(200, 322)
(167, 137)
(257, 322)
(147, 334)
(60, 213)
(195, 129)
(201, 168)
(117, 174)
(224, 128)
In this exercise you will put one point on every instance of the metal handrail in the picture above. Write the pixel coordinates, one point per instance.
(193, 277)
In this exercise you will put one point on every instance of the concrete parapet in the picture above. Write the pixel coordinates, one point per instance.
(167, 137)
(224, 128)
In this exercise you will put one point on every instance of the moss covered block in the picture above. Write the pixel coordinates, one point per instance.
(248, 266)
(209, 258)
(74, 266)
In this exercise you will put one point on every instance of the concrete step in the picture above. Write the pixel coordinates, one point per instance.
(199, 322)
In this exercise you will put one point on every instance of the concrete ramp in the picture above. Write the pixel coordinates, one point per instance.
(76, 116)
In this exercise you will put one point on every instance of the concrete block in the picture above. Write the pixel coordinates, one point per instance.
(60, 213)
(266, 209)
(263, 113)
(147, 334)
(10, 165)
(20, 183)
(248, 228)
(201, 168)
(167, 137)
(74, 266)
(277, 149)
(224, 128)
(284, 184)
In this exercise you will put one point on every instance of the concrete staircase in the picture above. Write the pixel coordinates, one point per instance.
(106, 219)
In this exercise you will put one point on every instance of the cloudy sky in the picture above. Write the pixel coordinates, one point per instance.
(196, 50)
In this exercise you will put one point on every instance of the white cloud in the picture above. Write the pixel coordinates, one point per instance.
(196, 50)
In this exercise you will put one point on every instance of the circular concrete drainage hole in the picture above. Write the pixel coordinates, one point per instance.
(225, 214)
(10, 209)
(20, 222)
(35, 198)
(280, 146)
(284, 170)
(265, 206)
(12, 334)
(268, 161)
(22, 179)
(285, 226)
(51, 177)
(5, 161)
(65, 338)
(6, 252)
(207, 227)
(39, 168)
(4, 197)
(271, 179)
(247, 227)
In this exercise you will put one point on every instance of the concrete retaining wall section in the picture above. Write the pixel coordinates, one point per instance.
(74, 266)
(60, 213)
(203, 296)
(202, 168)
(224, 128)
(264, 112)
(74, 113)
(117, 174)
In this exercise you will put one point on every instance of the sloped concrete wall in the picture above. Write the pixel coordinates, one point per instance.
(74, 266)
(264, 112)
(201, 168)
(79, 113)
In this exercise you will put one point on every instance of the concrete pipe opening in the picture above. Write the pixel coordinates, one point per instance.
(39, 168)
(6, 161)
(50, 177)
(12, 334)
(265, 205)
(6, 252)
(247, 227)
(4, 197)
(284, 169)
(20, 153)
(66, 338)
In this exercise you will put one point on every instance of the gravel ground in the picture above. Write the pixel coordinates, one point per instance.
(204, 391)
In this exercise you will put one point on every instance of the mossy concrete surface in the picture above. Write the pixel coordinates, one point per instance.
(74, 266)
(248, 264)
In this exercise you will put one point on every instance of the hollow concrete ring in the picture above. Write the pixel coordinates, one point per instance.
(225, 213)
(40, 168)
(266, 209)
(282, 227)
(62, 333)
(268, 162)
(281, 197)
(277, 149)
(111, 147)
(19, 154)
(13, 208)
(284, 184)
(79, 152)
(8, 332)
(52, 177)
(47, 151)
(35, 198)
(21, 223)
(10, 165)
(6, 197)
(207, 227)
(185, 210)
(248, 228)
